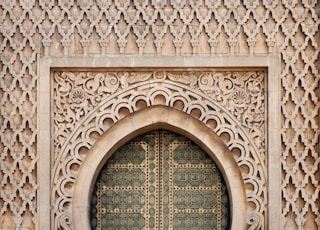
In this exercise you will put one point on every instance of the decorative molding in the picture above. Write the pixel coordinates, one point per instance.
(31, 30)
(86, 104)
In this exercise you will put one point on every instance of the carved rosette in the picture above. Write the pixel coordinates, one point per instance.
(86, 104)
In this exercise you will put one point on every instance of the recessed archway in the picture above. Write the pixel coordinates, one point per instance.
(149, 119)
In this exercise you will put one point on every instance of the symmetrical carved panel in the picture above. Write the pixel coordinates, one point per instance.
(32, 29)
(86, 104)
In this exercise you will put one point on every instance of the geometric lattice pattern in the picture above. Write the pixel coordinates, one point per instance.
(160, 180)
(33, 29)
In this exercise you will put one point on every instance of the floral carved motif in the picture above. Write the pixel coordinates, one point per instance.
(86, 104)
(242, 94)
(31, 30)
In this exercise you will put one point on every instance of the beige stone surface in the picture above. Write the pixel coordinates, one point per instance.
(159, 89)
(41, 38)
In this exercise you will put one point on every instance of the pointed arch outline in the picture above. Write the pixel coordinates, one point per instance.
(148, 119)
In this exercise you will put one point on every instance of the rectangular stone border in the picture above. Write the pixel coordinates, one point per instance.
(44, 137)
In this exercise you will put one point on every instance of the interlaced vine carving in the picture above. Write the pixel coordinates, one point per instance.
(231, 103)
(240, 93)
(55, 28)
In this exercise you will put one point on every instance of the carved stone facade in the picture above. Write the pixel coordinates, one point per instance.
(86, 104)
(73, 69)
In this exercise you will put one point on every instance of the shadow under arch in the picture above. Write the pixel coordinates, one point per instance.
(148, 119)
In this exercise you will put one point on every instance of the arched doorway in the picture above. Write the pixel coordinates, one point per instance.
(160, 180)
(153, 118)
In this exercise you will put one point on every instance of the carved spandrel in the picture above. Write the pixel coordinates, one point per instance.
(194, 92)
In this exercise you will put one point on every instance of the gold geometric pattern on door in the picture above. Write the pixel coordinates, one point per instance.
(160, 180)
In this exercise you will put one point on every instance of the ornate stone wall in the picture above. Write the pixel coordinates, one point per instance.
(87, 104)
(30, 30)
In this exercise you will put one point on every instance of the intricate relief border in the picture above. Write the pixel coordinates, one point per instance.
(242, 94)
(175, 89)
(86, 104)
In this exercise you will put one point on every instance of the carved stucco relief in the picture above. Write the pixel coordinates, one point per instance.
(63, 28)
(231, 103)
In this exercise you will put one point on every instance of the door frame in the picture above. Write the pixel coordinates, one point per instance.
(44, 116)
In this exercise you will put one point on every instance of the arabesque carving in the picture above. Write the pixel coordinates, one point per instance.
(54, 28)
(86, 104)
(240, 93)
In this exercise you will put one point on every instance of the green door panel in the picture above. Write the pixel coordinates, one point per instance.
(160, 180)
